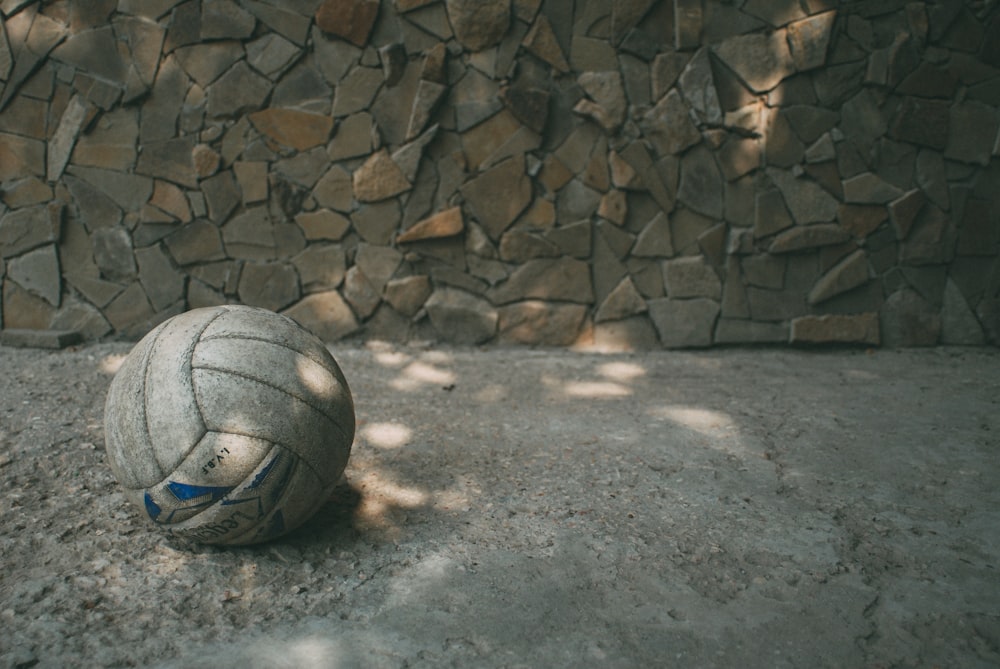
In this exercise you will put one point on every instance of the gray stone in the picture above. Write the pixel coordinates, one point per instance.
(849, 273)
(24, 229)
(654, 241)
(272, 55)
(354, 137)
(407, 157)
(770, 214)
(162, 284)
(460, 317)
(224, 19)
(687, 23)
(666, 68)
(869, 188)
(379, 263)
(574, 240)
(908, 320)
(425, 101)
(334, 189)
(50, 339)
(764, 271)
(630, 334)
(286, 22)
(931, 177)
(668, 125)
(959, 325)
(268, 285)
(538, 323)
(760, 60)
(822, 150)
(684, 323)
(810, 122)
(542, 42)
(903, 212)
(130, 313)
(20, 157)
(237, 91)
(623, 301)
(249, 235)
(698, 86)
(973, 132)
(740, 331)
(588, 54)
(608, 93)
(60, 146)
(836, 329)
(37, 272)
(170, 160)
(564, 279)
(803, 237)
(95, 52)
(320, 267)
(479, 24)
(113, 253)
(528, 104)
(499, 195)
(520, 246)
(701, 183)
(323, 224)
(324, 314)
(408, 294)
(922, 121)
(205, 62)
(607, 268)
(377, 223)
(691, 277)
(128, 191)
(806, 200)
(359, 293)
(782, 148)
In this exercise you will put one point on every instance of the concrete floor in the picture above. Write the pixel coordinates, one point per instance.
(520, 508)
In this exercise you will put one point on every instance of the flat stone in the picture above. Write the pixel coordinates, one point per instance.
(861, 220)
(701, 183)
(293, 128)
(113, 253)
(24, 229)
(425, 101)
(356, 91)
(130, 312)
(377, 223)
(764, 271)
(562, 279)
(668, 125)
(608, 93)
(959, 325)
(654, 241)
(807, 237)
(359, 293)
(809, 39)
(446, 223)
(323, 224)
(26, 193)
(903, 211)
(931, 177)
(684, 323)
(221, 196)
(268, 285)
(574, 239)
(285, 22)
(354, 137)
(782, 148)
(541, 42)
(665, 70)
(740, 331)
(271, 55)
(836, 329)
(93, 51)
(806, 200)
(499, 195)
(48, 339)
(539, 323)
(170, 160)
(520, 246)
(334, 189)
(687, 24)
(973, 132)
(250, 235)
(623, 301)
(697, 83)
(37, 271)
(849, 273)
(408, 156)
(529, 105)
(479, 24)
(394, 60)
(691, 277)
(907, 319)
(589, 54)
(162, 284)
(224, 19)
(325, 314)
(810, 122)
(251, 176)
(20, 157)
(205, 62)
(237, 91)
(408, 294)
(379, 178)
(348, 19)
(60, 146)
(613, 207)
(922, 121)
(460, 317)
(760, 60)
(869, 188)
(739, 156)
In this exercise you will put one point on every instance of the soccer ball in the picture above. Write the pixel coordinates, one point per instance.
(229, 425)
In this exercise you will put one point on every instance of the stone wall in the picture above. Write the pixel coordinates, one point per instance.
(627, 172)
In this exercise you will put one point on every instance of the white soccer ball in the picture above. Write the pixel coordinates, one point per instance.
(229, 425)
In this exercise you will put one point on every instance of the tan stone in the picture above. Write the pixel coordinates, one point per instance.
(379, 178)
(613, 207)
(443, 224)
(836, 329)
(349, 19)
(323, 224)
(206, 160)
(294, 128)
(541, 42)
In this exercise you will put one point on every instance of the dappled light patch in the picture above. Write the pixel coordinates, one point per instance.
(387, 435)
(110, 364)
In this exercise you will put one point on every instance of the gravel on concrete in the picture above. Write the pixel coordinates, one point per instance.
(537, 508)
